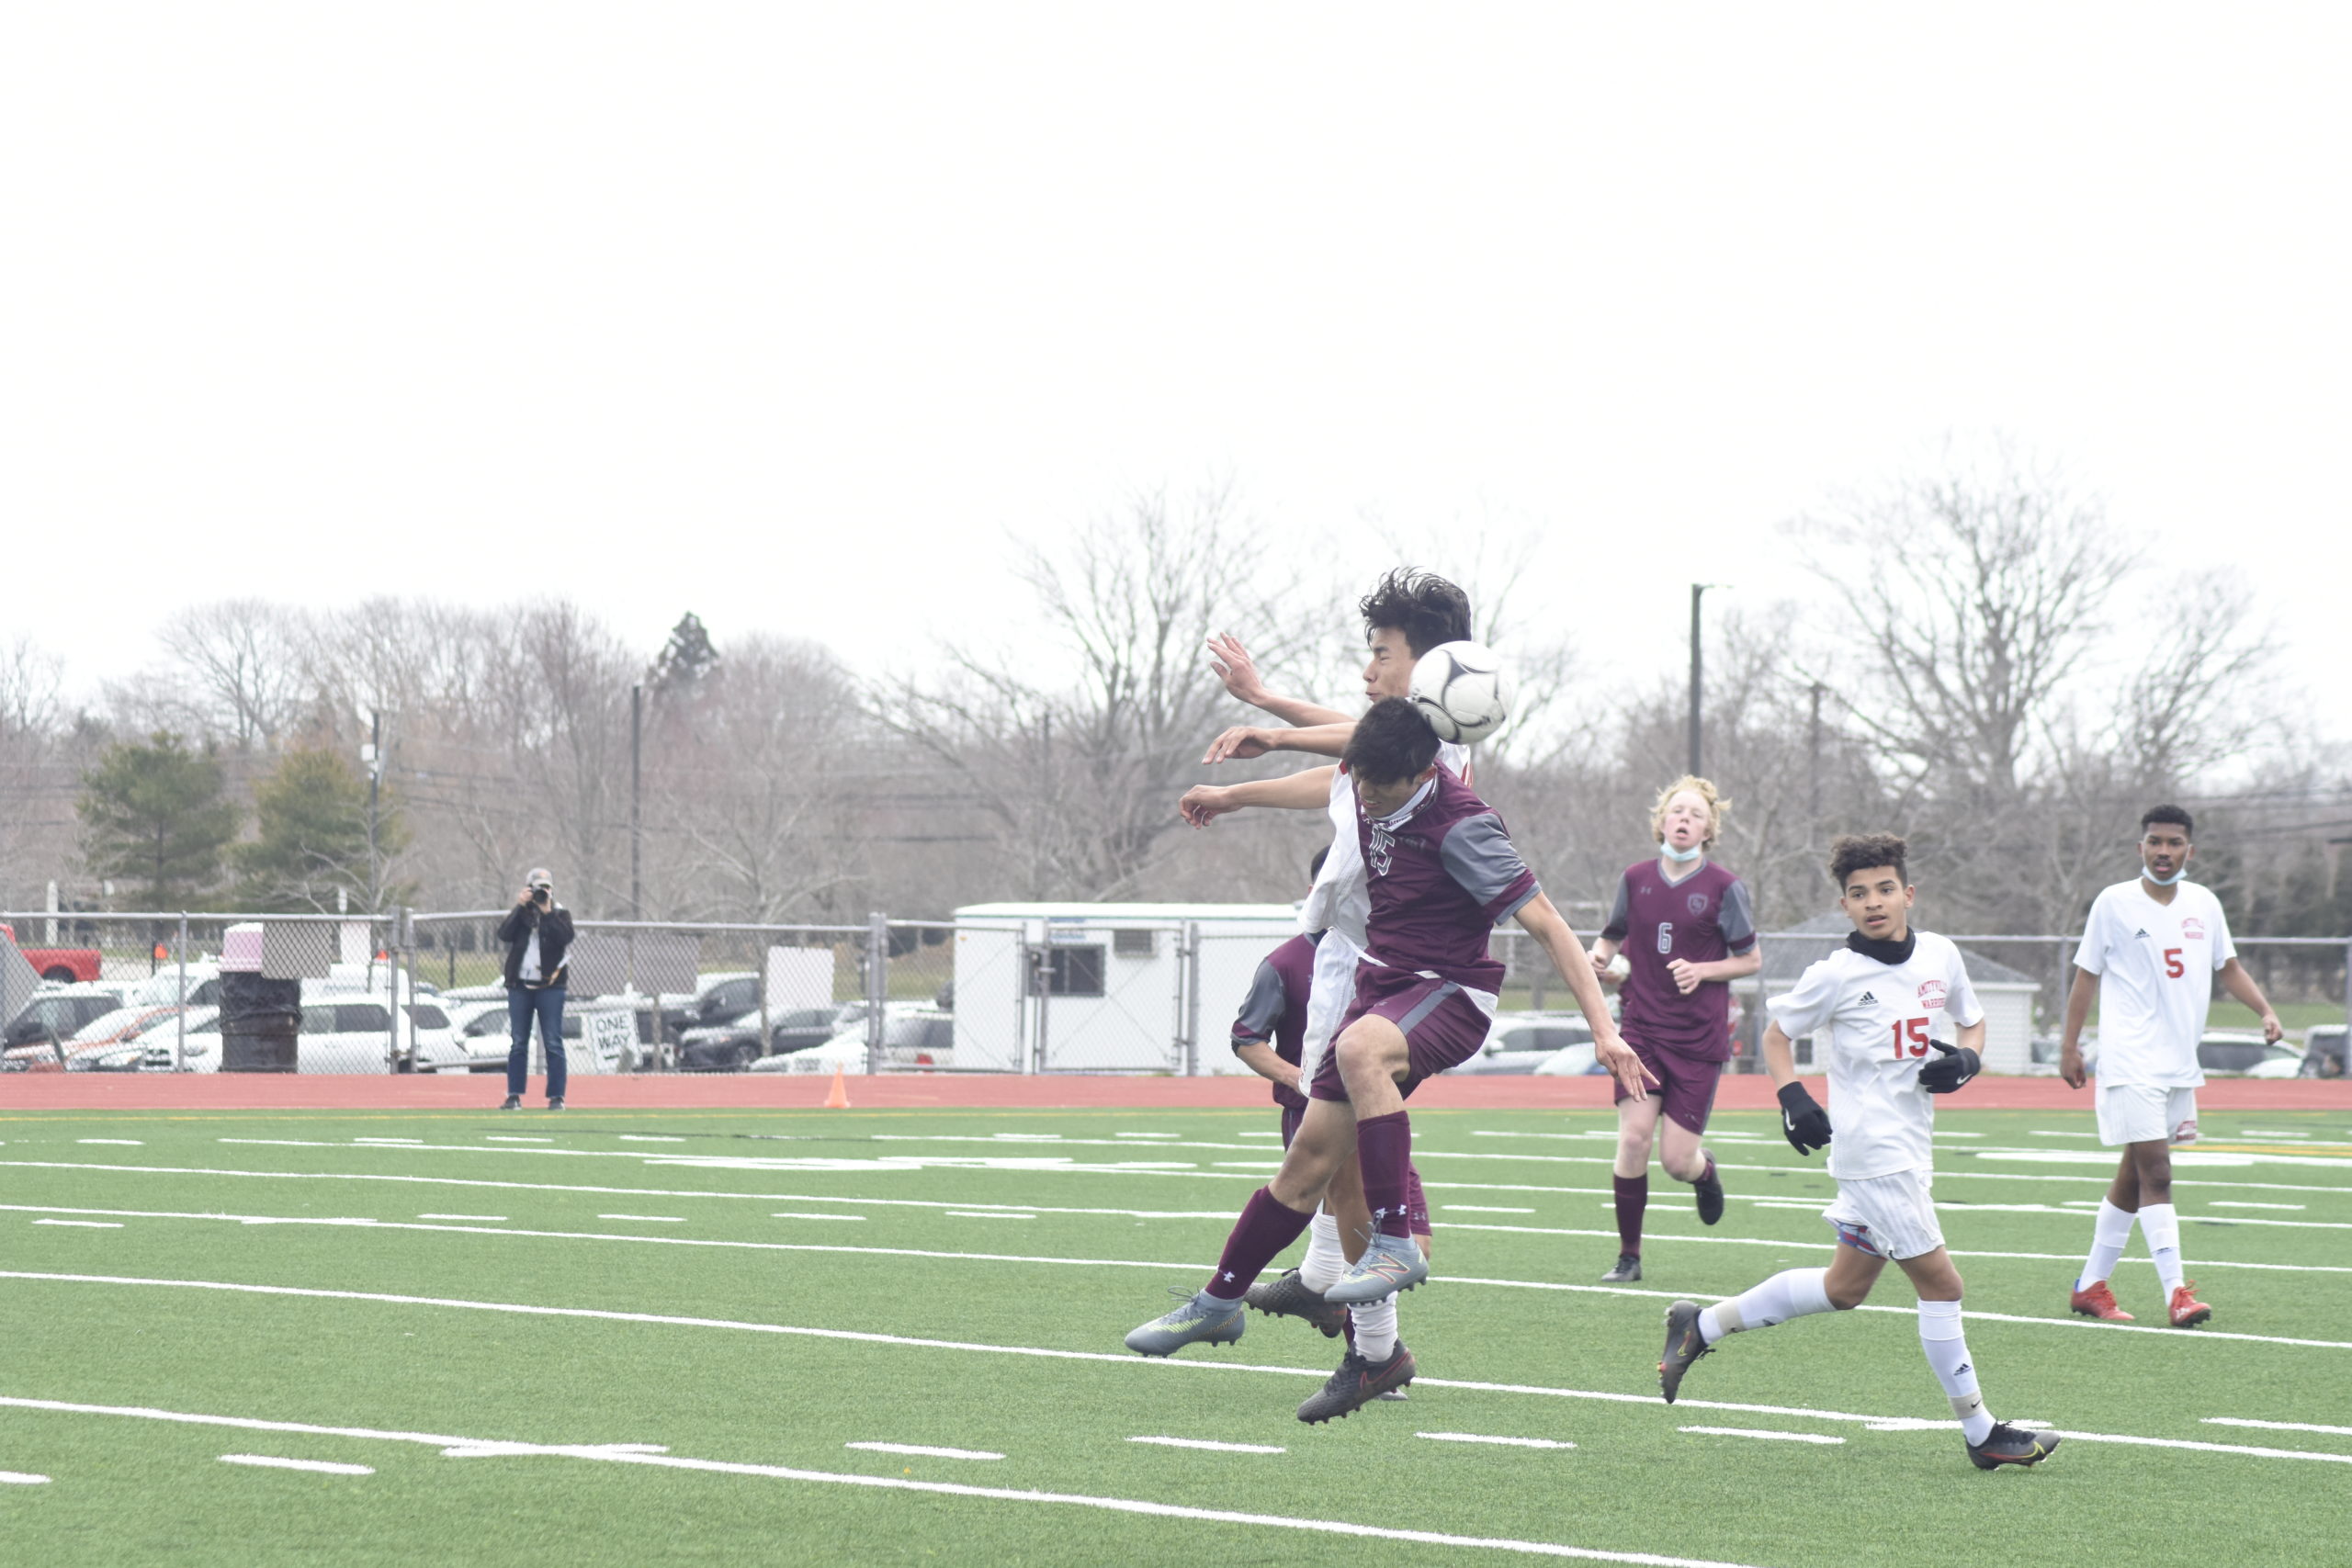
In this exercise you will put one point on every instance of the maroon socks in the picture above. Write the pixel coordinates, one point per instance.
(1266, 1227)
(1632, 1197)
(1385, 1154)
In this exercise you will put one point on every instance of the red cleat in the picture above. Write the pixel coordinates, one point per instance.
(2187, 1312)
(2098, 1302)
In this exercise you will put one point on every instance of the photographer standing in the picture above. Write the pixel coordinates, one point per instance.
(536, 934)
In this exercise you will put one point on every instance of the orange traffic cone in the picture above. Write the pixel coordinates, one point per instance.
(838, 1098)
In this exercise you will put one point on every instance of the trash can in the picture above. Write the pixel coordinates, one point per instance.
(260, 1021)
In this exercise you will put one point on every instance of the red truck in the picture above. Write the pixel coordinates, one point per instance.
(57, 962)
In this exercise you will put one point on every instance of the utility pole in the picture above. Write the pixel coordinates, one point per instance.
(1812, 773)
(374, 757)
(636, 799)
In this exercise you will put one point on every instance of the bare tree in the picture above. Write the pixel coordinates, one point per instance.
(244, 668)
(2194, 704)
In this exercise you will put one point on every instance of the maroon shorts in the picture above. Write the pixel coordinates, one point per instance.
(1685, 1088)
(1417, 1203)
(1442, 1027)
(1291, 1116)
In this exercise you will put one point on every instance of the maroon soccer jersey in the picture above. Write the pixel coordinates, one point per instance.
(1442, 871)
(1275, 1009)
(1701, 920)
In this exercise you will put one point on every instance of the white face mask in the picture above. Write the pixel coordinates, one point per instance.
(1680, 857)
(2149, 872)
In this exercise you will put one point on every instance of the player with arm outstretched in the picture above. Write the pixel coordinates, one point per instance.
(2149, 953)
(1687, 929)
(1442, 871)
(1881, 1004)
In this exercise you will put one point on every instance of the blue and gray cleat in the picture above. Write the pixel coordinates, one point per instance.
(1389, 1264)
(1201, 1319)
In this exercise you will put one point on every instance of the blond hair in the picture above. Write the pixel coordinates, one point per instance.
(1717, 807)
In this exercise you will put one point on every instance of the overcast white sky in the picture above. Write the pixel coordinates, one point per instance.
(784, 314)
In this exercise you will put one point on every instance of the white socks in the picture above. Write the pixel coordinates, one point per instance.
(1375, 1328)
(2107, 1239)
(1325, 1262)
(1940, 1338)
(1797, 1292)
(2160, 1223)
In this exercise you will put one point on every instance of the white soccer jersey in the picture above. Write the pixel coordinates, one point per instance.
(1340, 900)
(2155, 963)
(1874, 1021)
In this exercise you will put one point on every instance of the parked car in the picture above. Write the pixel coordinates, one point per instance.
(339, 1033)
(101, 1039)
(163, 987)
(57, 1013)
(2232, 1053)
(913, 1040)
(734, 1046)
(1549, 1042)
(2323, 1053)
(717, 999)
(481, 1044)
(65, 965)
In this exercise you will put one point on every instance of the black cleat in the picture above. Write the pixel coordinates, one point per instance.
(556, 1104)
(1287, 1296)
(1709, 1191)
(1628, 1268)
(514, 1102)
(2006, 1444)
(1357, 1384)
(1684, 1345)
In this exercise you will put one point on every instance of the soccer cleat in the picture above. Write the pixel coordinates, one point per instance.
(514, 1102)
(1684, 1345)
(1357, 1382)
(1393, 1393)
(2006, 1444)
(1709, 1191)
(1389, 1264)
(1628, 1267)
(1287, 1296)
(556, 1104)
(2187, 1312)
(1202, 1319)
(2098, 1302)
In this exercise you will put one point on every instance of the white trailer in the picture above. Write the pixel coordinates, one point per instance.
(1107, 987)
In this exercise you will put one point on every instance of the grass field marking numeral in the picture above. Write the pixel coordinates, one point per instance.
(323, 1466)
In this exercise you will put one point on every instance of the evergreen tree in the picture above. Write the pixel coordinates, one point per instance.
(157, 819)
(687, 658)
(310, 817)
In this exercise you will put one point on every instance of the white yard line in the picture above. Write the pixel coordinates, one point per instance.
(648, 1138)
(516, 1138)
(791, 1216)
(1213, 1447)
(1481, 1209)
(21, 1478)
(987, 1214)
(477, 1218)
(1760, 1432)
(323, 1466)
(84, 1224)
(920, 1450)
(2202, 1262)
(2277, 1425)
(2237, 1203)
(1481, 1437)
(642, 1454)
(640, 1219)
(126, 1142)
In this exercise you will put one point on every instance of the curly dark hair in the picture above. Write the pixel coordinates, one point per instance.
(1861, 851)
(1392, 743)
(2173, 815)
(1427, 608)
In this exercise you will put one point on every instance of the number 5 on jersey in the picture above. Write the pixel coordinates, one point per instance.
(2174, 968)
(1910, 1037)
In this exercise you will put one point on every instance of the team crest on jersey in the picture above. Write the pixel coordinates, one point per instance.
(1697, 903)
(2193, 929)
(1932, 993)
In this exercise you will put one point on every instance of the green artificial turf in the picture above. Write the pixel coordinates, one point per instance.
(127, 1489)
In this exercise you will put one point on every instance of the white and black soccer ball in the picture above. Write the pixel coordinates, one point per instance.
(1462, 690)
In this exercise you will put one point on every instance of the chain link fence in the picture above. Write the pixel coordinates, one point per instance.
(424, 992)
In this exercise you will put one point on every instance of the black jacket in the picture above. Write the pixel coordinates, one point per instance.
(555, 936)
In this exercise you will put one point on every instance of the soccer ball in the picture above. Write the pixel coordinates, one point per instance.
(1462, 690)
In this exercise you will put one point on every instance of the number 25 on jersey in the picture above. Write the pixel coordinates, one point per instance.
(1910, 1037)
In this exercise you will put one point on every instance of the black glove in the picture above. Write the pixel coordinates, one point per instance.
(1947, 1072)
(1802, 1118)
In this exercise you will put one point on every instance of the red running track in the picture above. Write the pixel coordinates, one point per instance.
(140, 1092)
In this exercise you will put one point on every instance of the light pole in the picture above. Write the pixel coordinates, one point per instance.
(1698, 592)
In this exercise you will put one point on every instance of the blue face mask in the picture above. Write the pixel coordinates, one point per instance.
(2164, 881)
(1679, 857)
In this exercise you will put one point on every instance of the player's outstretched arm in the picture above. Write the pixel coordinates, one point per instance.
(2079, 997)
(2241, 985)
(1232, 665)
(1539, 918)
(1244, 742)
(1306, 791)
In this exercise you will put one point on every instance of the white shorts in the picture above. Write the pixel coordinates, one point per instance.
(1886, 1216)
(1329, 997)
(2146, 1114)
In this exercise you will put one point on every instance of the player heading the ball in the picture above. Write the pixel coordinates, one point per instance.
(1881, 1004)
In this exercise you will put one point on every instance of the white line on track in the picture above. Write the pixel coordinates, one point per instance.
(791, 1216)
(642, 1219)
(1880, 1423)
(323, 1466)
(923, 1451)
(1213, 1447)
(85, 1225)
(642, 1454)
(126, 1142)
(1760, 1432)
(1481, 1437)
(21, 1478)
(479, 1219)
(2276, 1426)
